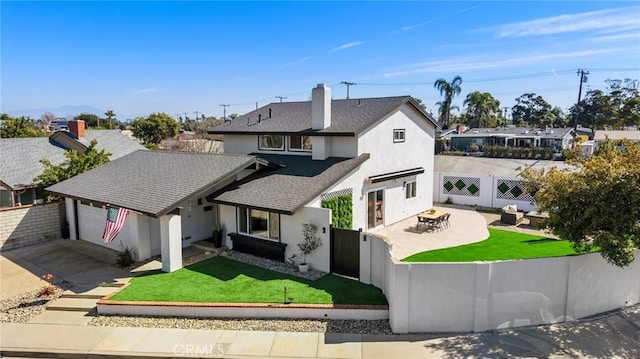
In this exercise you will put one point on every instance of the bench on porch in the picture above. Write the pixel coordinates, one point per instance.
(258, 247)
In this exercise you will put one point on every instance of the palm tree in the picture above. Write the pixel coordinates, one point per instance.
(482, 107)
(449, 90)
(110, 115)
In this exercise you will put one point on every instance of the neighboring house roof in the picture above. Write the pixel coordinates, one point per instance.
(152, 182)
(528, 132)
(20, 157)
(617, 135)
(502, 167)
(348, 117)
(290, 183)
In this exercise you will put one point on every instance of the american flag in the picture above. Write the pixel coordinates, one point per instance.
(115, 221)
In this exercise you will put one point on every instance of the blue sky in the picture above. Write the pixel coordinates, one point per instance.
(175, 57)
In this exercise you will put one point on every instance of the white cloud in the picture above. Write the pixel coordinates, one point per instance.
(307, 58)
(147, 90)
(347, 46)
(622, 18)
(614, 38)
(477, 62)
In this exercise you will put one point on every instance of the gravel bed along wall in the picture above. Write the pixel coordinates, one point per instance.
(273, 325)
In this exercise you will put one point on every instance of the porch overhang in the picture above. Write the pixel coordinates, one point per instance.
(394, 175)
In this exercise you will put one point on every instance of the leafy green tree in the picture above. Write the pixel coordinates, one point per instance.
(74, 164)
(19, 127)
(560, 119)
(110, 117)
(449, 90)
(616, 108)
(482, 108)
(532, 110)
(90, 120)
(153, 129)
(598, 205)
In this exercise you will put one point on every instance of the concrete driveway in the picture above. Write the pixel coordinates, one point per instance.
(77, 262)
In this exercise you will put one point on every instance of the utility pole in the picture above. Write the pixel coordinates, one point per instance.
(185, 115)
(224, 116)
(505, 114)
(583, 79)
(348, 84)
(281, 97)
(197, 117)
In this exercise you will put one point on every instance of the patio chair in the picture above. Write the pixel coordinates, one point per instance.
(510, 215)
(422, 222)
(445, 220)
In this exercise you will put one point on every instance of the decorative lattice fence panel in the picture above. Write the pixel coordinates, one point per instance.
(340, 193)
(461, 186)
(512, 190)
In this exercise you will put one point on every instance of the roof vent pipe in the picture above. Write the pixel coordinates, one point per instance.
(269, 113)
(259, 118)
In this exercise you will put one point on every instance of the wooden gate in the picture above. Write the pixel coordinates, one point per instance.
(345, 252)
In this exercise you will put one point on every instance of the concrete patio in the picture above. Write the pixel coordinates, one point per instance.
(466, 226)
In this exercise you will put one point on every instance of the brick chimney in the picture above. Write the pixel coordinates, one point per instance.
(77, 128)
(320, 107)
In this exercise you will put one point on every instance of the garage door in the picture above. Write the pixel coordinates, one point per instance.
(91, 226)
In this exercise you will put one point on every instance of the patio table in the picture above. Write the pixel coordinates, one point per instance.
(536, 217)
(433, 215)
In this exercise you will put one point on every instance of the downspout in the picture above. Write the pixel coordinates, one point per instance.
(75, 216)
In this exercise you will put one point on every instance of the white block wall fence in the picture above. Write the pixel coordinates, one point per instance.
(481, 190)
(27, 225)
(464, 297)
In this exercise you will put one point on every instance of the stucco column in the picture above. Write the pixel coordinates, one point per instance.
(71, 217)
(170, 242)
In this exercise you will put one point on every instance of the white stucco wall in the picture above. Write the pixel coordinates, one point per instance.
(462, 297)
(344, 147)
(197, 224)
(387, 156)
(291, 233)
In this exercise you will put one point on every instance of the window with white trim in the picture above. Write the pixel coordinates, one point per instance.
(398, 135)
(410, 190)
(259, 223)
(300, 143)
(271, 142)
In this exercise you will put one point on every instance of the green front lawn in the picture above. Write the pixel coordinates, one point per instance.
(222, 280)
(501, 245)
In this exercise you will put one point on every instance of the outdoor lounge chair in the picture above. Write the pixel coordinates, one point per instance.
(510, 215)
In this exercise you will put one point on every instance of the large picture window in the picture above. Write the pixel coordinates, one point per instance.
(259, 223)
(300, 143)
(271, 142)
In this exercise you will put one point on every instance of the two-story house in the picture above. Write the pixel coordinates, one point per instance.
(282, 164)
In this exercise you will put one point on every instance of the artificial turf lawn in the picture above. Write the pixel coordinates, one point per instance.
(501, 245)
(222, 280)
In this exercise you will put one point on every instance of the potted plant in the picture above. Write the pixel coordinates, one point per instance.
(217, 236)
(309, 244)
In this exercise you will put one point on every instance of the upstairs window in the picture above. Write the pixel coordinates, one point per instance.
(398, 135)
(300, 143)
(271, 142)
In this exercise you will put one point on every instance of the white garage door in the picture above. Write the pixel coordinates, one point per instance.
(91, 226)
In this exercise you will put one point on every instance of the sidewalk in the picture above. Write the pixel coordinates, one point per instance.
(614, 335)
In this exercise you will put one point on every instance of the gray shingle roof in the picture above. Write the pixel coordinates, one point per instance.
(348, 117)
(287, 188)
(19, 157)
(152, 182)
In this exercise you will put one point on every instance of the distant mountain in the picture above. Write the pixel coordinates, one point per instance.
(62, 111)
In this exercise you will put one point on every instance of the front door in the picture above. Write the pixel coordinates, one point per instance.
(375, 209)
